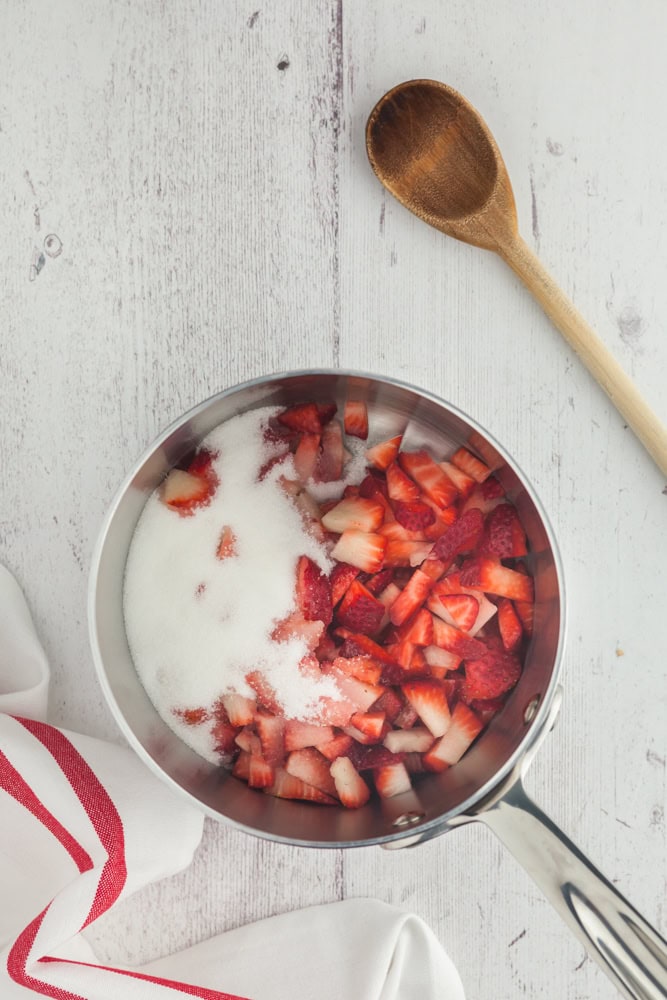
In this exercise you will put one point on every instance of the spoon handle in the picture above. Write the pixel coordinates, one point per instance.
(602, 365)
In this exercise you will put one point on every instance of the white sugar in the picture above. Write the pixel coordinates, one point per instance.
(196, 624)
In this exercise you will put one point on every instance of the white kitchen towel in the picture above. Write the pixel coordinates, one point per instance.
(80, 824)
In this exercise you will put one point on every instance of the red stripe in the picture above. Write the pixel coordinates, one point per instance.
(108, 825)
(16, 786)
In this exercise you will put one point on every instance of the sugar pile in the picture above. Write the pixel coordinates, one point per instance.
(196, 624)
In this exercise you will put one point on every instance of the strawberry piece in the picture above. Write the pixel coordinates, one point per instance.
(305, 734)
(271, 732)
(462, 536)
(464, 728)
(389, 703)
(391, 780)
(224, 737)
(429, 476)
(433, 568)
(240, 711)
(429, 701)
(464, 483)
(351, 788)
(526, 612)
(301, 417)
(441, 659)
(504, 538)
(378, 583)
(451, 585)
(266, 696)
(486, 708)
(414, 515)
(287, 786)
(227, 544)
(509, 625)
(359, 610)
(395, 532)
(419, 630)
(400, 486)
(402, 652)
(313, 592)
(358, 645)
(362, 549)
(313, 768)
(382, 455)
(364, 668)
(356, 512)
(463, 609)
(337, 747)
(202, 465)
(494, 578)
(406, 718)
(340, 578)
(360, 694)
(466, 462)
(332, 456)
(452, 639)
(415, 740)
(241, 768)
(184, 492)
(491, 489)
(307, 456)
(366, 758)
(355, 419)
(411, 597)
(491, 675)
(295, 626)
(260, 772)
(373, 485)
(399, 553)
(326, 412)
(192, 716)
(371, 724)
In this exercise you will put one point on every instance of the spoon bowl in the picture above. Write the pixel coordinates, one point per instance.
(433, 151)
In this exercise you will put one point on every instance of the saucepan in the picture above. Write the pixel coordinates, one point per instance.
(485, 786)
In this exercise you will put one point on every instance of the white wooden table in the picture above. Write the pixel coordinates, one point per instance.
(203, 165)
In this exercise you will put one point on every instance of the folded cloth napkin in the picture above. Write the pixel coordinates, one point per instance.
(80, 821)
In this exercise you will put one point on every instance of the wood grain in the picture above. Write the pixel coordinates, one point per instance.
(219, 221)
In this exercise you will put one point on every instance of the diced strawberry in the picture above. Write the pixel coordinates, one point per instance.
(373, 485)
(382, 455)
(351, 788)
(327, 648)
(463, 609)
(406, 718)
(419, 630)
(442, 658)
(202, 465)
(307, 456)
(240, 710)
(451, 584)
(491, 489)
(326, 412)
(287, 786)
(379, 582)
(367, 758)
(388, 596)
(359, 738)
(266, 696)
(340, 578)
(415, 740)
(355, 419)
(364, 668)
(429, 476)
(526, 612)
(184, 492)
(485, 709)
(332, 455)
(313, 591)
(369, 723)
(389, 703)
(313, 768)
(392, 780)
(466, 462)
(414, 763)
(193, 716)
(463, 482)
(402, 652)
(260, 772)
(491, 675)
(429, 701)
(443, 520)
(227, 544)
(395, 532)
(356, 512)
(411, 597)
(241, 768)
(504, 537)
(359, 610)
(452, 639)
(494, 578)
(433, 568)
(301, 417)
(349, 491)
(400, 486)
(413, 515)
(295, 626)
(464, 727)
(305, 734)
(360, 693)
(509, 625)
(406, 553)
(248, 741)
(337, 747)
(271, 732)
(359, 645)
(462, 536)
(360, 548)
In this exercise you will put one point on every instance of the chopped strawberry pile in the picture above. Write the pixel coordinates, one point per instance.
(422, 623)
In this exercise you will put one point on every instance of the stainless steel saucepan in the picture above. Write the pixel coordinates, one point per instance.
(486, 786)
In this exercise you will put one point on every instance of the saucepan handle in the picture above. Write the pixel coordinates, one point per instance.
(630, 951)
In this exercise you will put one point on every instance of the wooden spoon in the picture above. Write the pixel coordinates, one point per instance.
(432, 151)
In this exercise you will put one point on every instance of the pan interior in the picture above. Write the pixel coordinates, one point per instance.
(393, 408)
